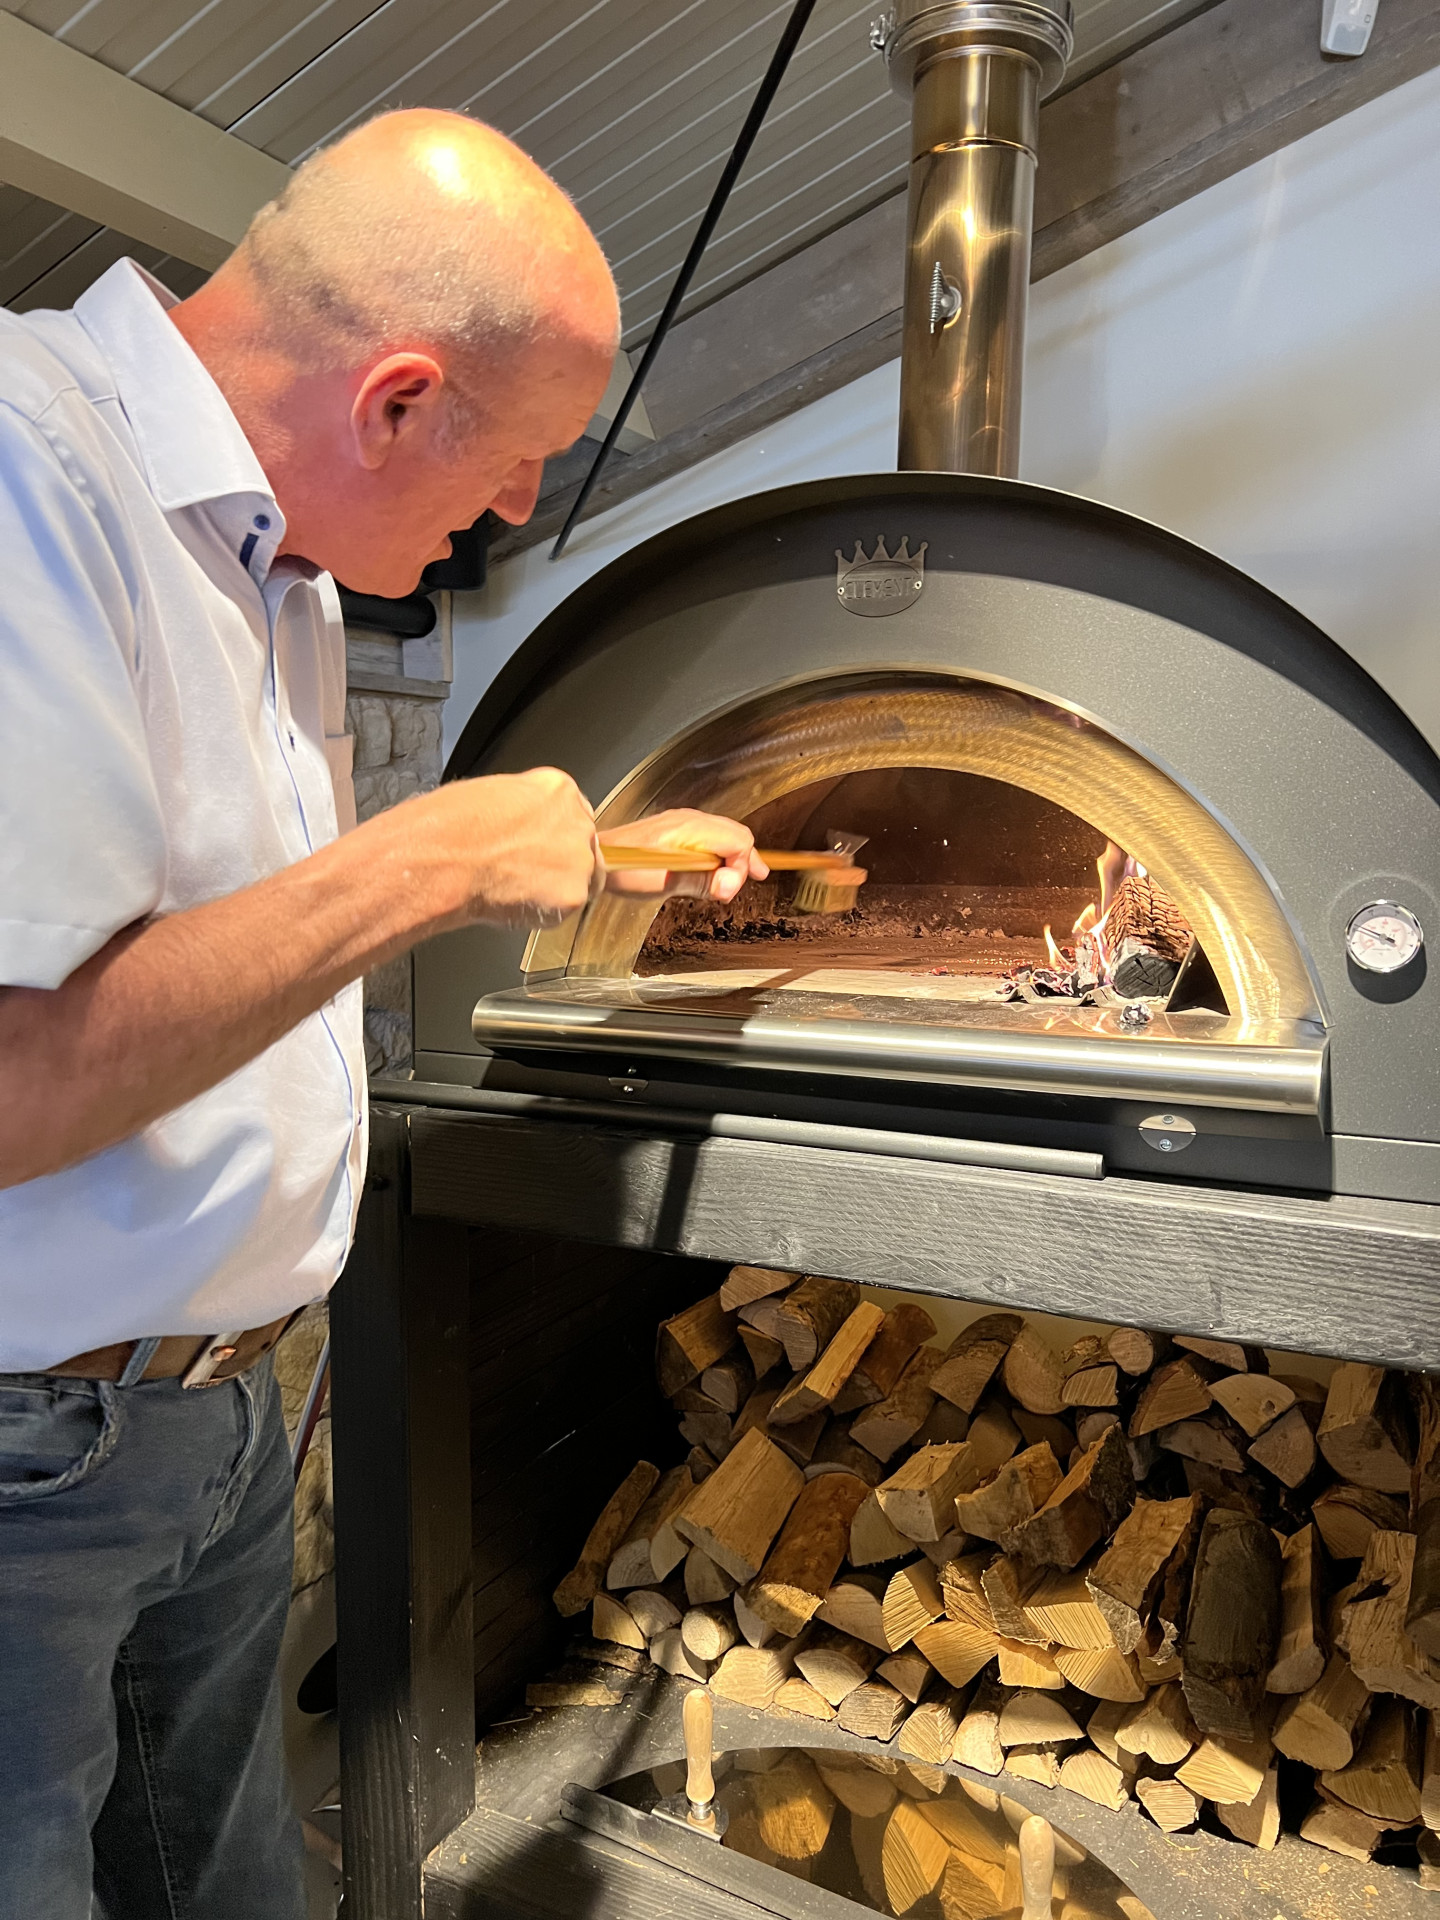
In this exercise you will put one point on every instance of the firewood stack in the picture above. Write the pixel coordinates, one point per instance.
(1145, 1569)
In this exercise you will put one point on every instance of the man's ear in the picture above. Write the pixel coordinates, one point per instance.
(398, 396)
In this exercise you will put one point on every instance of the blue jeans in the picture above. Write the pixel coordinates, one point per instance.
(145, 1545)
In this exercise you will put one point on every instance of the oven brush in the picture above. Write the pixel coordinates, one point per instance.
(833, 889)
(829, 884)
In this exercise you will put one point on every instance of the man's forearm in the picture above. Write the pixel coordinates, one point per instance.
(172, 1007)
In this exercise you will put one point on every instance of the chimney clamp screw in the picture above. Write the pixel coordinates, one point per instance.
(945, 300)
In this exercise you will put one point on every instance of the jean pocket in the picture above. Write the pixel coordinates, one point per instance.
(53, 1434)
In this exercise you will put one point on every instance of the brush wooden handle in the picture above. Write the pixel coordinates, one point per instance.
(697, 860)
(698, 1715)
(1037, 1867)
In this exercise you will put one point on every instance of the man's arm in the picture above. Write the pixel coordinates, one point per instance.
(173, 1006)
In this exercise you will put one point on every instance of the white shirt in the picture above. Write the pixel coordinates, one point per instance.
(171, 729)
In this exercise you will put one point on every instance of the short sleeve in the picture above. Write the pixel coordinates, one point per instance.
(82, 838)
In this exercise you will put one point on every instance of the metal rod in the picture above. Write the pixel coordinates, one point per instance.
(310, 1416)
(739, 153)
(1009, 1157)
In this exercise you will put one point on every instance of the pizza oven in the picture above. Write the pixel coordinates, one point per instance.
(1148, 862)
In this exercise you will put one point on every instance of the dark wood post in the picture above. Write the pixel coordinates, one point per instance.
(401, 1438)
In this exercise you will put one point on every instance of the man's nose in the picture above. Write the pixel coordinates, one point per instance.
(516, 499)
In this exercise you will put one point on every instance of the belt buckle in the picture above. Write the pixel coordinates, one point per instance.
(218, 1348)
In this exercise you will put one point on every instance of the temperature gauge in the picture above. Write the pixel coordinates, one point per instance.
(1383, 938)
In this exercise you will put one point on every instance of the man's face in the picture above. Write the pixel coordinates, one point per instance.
(377, 529)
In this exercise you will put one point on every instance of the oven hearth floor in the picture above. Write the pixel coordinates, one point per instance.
(516, 1858)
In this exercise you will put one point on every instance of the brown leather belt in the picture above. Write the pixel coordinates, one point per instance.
(180, 1356)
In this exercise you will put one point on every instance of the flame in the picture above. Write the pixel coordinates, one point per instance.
(1057, 958)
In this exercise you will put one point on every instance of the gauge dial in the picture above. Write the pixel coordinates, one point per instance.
(1383, 938)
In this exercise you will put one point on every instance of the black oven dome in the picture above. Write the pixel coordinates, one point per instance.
(1279, 735)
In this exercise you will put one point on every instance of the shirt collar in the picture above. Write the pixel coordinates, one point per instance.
(190, 442)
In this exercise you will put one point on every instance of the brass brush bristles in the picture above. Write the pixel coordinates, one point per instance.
(829, 890)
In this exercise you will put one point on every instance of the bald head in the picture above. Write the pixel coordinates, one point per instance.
(428, 229)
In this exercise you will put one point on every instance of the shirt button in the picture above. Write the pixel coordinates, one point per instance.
(262, 521)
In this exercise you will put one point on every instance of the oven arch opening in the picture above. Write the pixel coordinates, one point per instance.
(750, 759)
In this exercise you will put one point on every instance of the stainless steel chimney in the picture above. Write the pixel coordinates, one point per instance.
(977, 71)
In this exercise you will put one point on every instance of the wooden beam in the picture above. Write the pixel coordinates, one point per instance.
(79, 134)
(1348, 1277)
(1212, 96)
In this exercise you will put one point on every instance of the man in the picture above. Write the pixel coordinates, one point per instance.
(398, 343)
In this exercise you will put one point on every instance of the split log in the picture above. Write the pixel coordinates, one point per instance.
(1030, 1718)
(835, 1664)
(705, 1583)
(691, 1341)
(808, 1318)
(1422, 1617)
(633, 1562)
(977, 1744)
(671, 1655)
(764, 1350)
(910, 1673)
(585, 1579)
(874, 1539)
(1022, 1666)
(903, 1332)
(1062, 1609)
(610, 1620)
(1135, 1351)
(1258, 1823)
(1055, 1433)
(1228, 1355)
(1287, 1449)
(874, 1711)
(1322, 1725)
(1348, 1518)
(981, 1837)
(1159, 1727)
(702, 1463)
(944, 1425)
(1169, 1803)
(1177, 1391)
(1427, 1845)
(963, 1590)
(1032, 1372)
(912, 1600)
(1155, 1539)
(818, 1389)
(745, 1284)
(1018, 1490)
(1091, 1387)
(730, 1382)
(1103, 1672)
(1007, 1584)
(735, 1514)
(1209, 1438)
(838, 1453)
(1383, 1779)
(913, 1857)
(1090, 1426)
(709, 1632)
(968, 1893)
(753, 1630)
(856, 1605)
(957, 1649)
(1087, 1506)
(793, 1807)
(579, 1685)
(993, 1435)
(859, 1789)
(929, 1732)
(1341, 1829)
(1230, 1772)
(798, 1696)
(1040, 1764)
(971, 1360)
(942, 1551)
(755, 1414)
(1091, 1775)
(1232, 1624)
(652, 1612)
(893, 1422)
(710, 1429)
(801, 1438)
(802, 1565)
(753, 1676)
(919, 1499)
(1300, 1654)
(1253, 1400)
(1372, 1629)
(1364, 1431)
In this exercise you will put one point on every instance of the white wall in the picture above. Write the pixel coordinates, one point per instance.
(1258, 369)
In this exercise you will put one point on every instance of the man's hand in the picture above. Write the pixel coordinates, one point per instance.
(683, 827)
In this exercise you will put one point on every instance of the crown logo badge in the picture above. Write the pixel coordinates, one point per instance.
(879, 583)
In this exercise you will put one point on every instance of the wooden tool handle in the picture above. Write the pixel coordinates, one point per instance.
(697, 860)
(1037, 1868)
(698, 1715)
